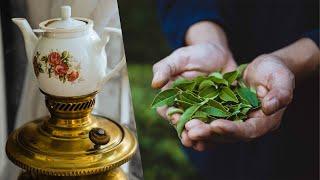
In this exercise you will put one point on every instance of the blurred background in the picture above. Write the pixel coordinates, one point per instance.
(162, 157)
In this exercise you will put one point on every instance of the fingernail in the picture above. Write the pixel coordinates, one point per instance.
(155, 80)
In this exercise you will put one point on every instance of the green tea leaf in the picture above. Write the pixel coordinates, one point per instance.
(227, 94)
(233, 115)
(191, 96)
(165, 97)
(241, 69)
(209, 92)
(235, 112)
(184, 84)
(219, 81)
(187, 115)
(252, 89)
(202, 116)
(180, 81)
(183, 104)
(245, 110)
(209, 97)
(248, 95)
(241, 83)
(240, 116)
(186, 99)
(174, 110)
(215, 112)
(216, 104)
(217, 75)
(231, 76)
(205, 83)
(243, 101)
(235, 107)
(199, 79)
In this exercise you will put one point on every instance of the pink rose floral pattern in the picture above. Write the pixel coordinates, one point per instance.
(57, 65)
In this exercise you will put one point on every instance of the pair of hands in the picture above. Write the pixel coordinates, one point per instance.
(272, 79)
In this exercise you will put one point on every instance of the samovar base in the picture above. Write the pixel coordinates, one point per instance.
(72, 143)
(115, 174)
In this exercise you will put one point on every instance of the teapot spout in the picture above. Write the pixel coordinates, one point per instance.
(30, 39)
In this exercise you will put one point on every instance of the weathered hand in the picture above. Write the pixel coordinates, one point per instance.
(189, 62)
(202, 136)
(274, 83)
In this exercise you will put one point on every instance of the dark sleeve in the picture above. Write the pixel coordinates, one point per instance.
(176, 16)
(314, 35)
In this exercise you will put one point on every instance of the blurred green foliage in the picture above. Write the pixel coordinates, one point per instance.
(142, 34)
(162, 157)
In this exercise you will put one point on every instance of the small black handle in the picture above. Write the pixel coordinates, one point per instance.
(99, 136)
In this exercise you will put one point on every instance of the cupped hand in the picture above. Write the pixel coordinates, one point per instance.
(189, 62)
(274, 83)
(202, 136)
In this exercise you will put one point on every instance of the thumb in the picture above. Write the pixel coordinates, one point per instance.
(168, 68)
(280, 93)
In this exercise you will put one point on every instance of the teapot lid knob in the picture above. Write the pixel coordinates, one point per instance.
(65, 21)
(65, 12)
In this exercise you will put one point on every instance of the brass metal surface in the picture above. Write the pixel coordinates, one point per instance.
(59, 145)
(115, 174)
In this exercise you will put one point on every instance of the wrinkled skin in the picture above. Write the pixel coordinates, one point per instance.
(274, 83)
(192, 61)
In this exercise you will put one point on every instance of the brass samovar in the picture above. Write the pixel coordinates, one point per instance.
(69, 62)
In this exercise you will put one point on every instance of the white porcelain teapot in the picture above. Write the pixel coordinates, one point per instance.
(68, 57)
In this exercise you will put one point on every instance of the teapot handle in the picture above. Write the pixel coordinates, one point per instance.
(107, 33)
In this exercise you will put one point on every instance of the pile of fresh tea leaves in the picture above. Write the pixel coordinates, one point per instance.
(208, 98)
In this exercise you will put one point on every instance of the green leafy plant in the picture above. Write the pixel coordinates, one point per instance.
(209, 97)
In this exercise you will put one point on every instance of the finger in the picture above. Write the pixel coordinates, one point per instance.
(200, 146)
(245, 131)
(281, 85)
(162, 111)
(167, 86)
(223, 127)
(251, 128)
(193, 123)
(258, 126)
(261, 91)
(185, 140)
(175, 118)
(192, 74)
(203, 145)
(168, 67)
(256, 114)
(200, 132)
(230, 66)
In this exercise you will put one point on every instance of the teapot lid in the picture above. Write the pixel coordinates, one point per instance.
(66, 22)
